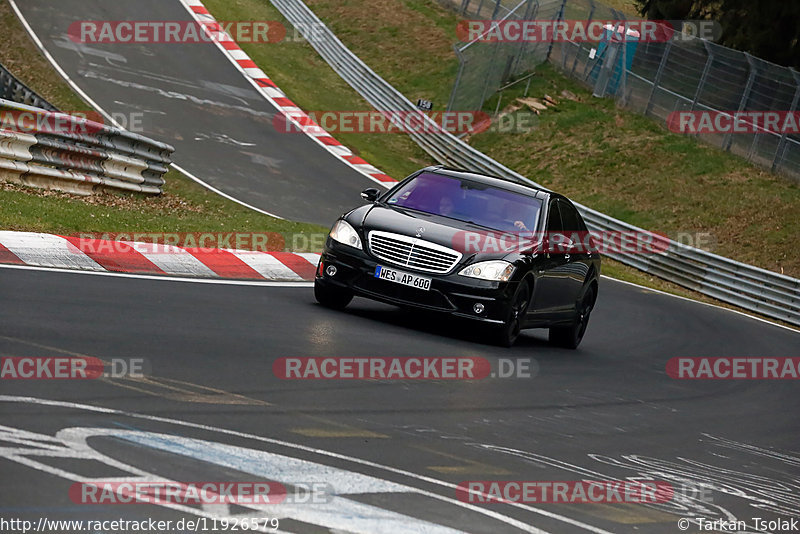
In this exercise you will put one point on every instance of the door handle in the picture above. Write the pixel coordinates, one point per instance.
(569, 248)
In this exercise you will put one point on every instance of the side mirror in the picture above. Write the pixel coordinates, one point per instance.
(371, 194)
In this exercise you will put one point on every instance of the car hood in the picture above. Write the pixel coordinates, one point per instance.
(443, 231)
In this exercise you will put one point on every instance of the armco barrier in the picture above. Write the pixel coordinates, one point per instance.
(13, 89)
(53, 150)
(748, 287)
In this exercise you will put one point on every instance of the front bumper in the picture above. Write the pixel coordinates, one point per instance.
(452, 294)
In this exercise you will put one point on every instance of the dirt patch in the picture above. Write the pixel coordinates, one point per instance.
(131, 202)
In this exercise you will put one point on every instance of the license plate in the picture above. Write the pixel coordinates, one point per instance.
(399, 277)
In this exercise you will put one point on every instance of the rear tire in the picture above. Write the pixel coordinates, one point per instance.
(332, 297)
(569, 337)
(507, 334)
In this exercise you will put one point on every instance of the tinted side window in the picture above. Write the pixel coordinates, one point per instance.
(554, 218)
(571, 218)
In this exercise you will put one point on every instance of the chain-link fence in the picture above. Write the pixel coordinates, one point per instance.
(486, 66)
(657, 77)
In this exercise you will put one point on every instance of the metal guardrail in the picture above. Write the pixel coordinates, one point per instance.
(13, 89)
(53, 150)
(754, 289)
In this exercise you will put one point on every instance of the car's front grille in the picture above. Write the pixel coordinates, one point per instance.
(407, 251)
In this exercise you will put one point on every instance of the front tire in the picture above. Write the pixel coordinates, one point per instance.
(569, 337)
(507, 334)
(332, 297)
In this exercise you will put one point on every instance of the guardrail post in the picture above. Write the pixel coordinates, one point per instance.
(657, 79)
(780, 152)
(726, 143)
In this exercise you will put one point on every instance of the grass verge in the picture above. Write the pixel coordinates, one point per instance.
(19, 54)
(185, 205)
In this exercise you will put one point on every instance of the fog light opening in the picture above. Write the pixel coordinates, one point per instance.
(478, 308)
(331, 270)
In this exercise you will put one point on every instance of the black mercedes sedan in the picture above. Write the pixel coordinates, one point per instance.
(480, 248)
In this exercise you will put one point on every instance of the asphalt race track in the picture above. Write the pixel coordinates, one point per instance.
(607, 411)
(192, 97)
(210, 407)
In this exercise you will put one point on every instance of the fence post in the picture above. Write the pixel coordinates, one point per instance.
(780, 152)
(622, 85)
(726, 143)
(492, 66)
(464, 6)
(560, 18)
(657, 79)
(703, 77)
(461, 62)
(530, 12)
(589, 18)
(756, 137)
(496, 10)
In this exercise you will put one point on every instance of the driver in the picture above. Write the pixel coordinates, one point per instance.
(518, 213)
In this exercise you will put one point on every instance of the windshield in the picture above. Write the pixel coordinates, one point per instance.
(468, 201)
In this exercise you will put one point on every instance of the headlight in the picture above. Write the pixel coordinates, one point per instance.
(345, 234)
(498, 271)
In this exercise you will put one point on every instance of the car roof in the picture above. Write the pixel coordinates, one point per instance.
(501, 183)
